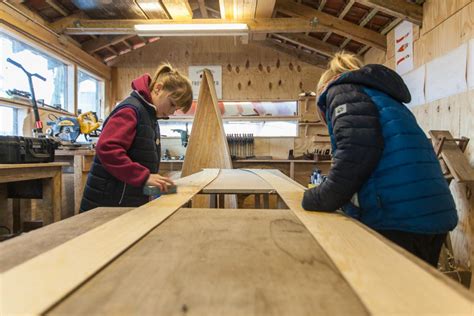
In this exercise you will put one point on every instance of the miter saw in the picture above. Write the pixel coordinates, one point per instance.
(67, 129)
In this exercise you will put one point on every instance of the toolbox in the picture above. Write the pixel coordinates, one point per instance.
(18, 149)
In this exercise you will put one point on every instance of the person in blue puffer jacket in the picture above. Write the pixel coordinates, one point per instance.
(385, 172)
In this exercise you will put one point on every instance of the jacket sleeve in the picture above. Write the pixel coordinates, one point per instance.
(114, 142)
(359, 142)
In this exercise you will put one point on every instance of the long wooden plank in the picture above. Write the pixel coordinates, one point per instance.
(27, 246)
(454, 158)
(237, 181)
(327, 22)
(70, 264)
(219, 262)
(386, 278)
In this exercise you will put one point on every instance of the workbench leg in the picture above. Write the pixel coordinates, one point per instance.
(292, 170)
(16, 209)
(4, 209)
(52, 199)
(213, 201)
(221, 200)
(78, 182)
(257, 200)
(280, 203)
(266, 201)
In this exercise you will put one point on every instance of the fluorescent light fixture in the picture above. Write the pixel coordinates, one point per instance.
(150, 6)
(192, 29)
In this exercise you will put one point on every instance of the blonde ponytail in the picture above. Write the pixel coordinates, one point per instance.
(176, 84)
(341, 63)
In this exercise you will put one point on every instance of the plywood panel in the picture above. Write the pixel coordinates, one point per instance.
(436, 12)
(375, 55)
(249, 72)
(450, 34)
(207, 146)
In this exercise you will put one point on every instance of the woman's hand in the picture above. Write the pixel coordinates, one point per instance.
(159, 181)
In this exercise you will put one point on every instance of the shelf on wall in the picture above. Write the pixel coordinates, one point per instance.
(238, 118)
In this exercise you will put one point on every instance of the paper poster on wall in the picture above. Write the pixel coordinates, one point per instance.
(415, 81)
(195, 75)
(446, 75)
(404, 47)
(470, 65)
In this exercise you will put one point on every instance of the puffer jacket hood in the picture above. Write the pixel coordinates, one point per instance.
(372, 76)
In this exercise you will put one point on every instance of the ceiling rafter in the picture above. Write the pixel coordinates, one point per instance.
(397, 8)
(327, 22)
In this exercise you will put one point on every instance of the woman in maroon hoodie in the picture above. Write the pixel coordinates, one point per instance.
(128, 151)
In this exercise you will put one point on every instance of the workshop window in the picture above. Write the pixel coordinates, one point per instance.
(260, 118)
(90, 94)
(14, 82)
(8, 120)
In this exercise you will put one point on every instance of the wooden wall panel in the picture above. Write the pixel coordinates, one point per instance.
(437, 11)
(249, 72)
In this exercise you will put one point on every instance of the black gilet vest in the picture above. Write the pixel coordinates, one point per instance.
(103, 189)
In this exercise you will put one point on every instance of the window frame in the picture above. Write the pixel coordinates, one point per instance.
(287, 118)
(101, 111)
(69, 94)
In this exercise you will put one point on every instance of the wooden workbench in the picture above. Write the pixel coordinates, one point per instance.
(222, 262)
(238, 182)
(50, 173)
(299, 170)
(79, 163)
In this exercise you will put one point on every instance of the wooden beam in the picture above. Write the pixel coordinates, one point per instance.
(59, 25)
(390, 26)
(72, 263)
(398, 282)
(321, 5)
(340, 16)
(58, 7)
(295, 53)
(203, 9)
(346, 9)
(267, 25)
(368, 17)
(327, 22)
(47, 38)
(152, 9)
(264, 10)
(110, 60)
(399, 8)
(310, 42)
(226, 8)
(112, 50)
(102, 42)
(178, 9)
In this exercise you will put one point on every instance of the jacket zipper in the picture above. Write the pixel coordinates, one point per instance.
(123, 193)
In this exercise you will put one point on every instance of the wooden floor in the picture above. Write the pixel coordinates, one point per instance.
(220, 262)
